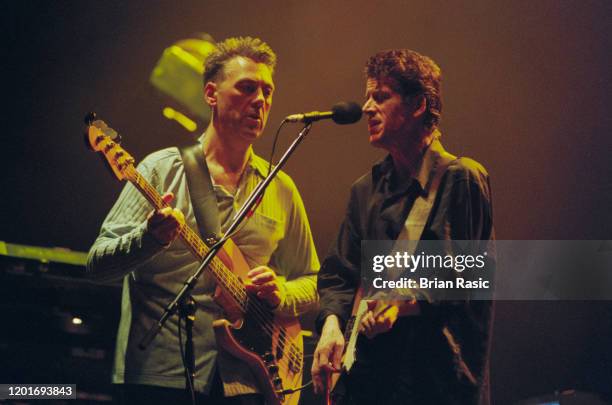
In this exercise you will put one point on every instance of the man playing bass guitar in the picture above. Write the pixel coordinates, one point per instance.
(141, 246)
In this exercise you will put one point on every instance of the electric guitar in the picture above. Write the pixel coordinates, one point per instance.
(351, 333)
(271, 346)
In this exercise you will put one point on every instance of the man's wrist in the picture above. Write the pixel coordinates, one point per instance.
(331, 321)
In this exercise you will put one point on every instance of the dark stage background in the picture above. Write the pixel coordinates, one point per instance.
(526, 86)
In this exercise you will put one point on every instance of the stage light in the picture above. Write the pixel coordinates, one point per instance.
(182, 119)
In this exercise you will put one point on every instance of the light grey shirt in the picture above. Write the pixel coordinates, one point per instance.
(277, 235)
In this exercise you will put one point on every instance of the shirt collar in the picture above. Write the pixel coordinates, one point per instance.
(258, 164)
(254, 162)
(425, 171)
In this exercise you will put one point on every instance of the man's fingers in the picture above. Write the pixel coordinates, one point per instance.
(316, 383)
(321, 367)
(262, 288)
(261, 275)
(165, 224)
(155, 217)
(368, 321)
(166, 213)
(315, 372)
(337, 356)
(257, 271)
(368, 324)
(267, 288)
(168, 197)
(317, 380)
(166, 228)
(328, 350)
(323, 358)
(263, 282)
(263, 278)
(371, 326)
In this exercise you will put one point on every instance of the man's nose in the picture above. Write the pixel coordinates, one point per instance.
(259, 97)
(368, 107)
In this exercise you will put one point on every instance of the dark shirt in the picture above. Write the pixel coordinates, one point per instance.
(439, 356)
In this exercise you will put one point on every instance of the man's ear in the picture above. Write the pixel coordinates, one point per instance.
(419, 106)
(210, 93)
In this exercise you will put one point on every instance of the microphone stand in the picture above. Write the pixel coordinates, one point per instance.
(187, 310)
(246, 210)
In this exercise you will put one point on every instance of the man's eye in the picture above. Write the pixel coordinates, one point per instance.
(247, 87)
(380, 97)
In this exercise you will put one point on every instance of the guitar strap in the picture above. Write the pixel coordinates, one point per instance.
(203, 198)
(421, 209)
(419, 213)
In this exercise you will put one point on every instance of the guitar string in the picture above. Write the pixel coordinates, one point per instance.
(236, 290)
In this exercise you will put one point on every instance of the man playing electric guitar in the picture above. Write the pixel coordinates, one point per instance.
(141, 246)
(416, 352)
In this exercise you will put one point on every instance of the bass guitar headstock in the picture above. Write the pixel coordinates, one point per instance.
(99, 137)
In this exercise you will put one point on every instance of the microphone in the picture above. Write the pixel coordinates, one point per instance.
(341, 113)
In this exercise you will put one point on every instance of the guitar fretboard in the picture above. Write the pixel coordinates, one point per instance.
(224, 276)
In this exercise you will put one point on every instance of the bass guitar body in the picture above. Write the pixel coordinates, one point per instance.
(264, 357)
(274, 358)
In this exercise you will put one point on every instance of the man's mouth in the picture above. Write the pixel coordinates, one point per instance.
(254, 117)
(373, 125)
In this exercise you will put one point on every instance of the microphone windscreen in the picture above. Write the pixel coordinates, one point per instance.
(346, 112)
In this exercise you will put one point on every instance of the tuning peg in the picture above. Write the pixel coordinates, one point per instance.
(112, 134)
(90, 117)
(273, 369)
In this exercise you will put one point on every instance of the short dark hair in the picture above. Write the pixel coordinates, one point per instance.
(252, 48)
(410, 74)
